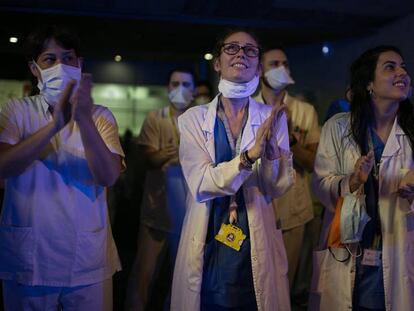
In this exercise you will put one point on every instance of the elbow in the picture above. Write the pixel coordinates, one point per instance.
(107, 179)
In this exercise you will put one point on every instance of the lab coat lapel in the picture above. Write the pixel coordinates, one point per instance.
(252, 124)
(208, 127)
(393, 145)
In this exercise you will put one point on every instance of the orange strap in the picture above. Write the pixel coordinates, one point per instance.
(334, 237)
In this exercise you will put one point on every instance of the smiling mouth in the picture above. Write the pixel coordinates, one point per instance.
(400, 84)
(240, 66)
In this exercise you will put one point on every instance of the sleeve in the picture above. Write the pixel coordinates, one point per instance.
(108, 129)
(205, 180)
(10, 132)
(327, 179)
(314, 129)
(150, 132)
(277, 176)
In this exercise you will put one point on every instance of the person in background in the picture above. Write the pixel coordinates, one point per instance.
(235, 157)
(204, 93)
(163, 204)
(339, 105)
(370, 150)
(294, 210)
(58, 152)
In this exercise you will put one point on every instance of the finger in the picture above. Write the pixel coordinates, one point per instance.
(67, 92)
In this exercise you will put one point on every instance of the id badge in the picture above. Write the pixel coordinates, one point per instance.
(231, 236)
(372, 257)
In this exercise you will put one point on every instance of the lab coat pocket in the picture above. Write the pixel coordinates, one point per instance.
(196, 263)
(91, 250)
(328, 273)
(16, 249)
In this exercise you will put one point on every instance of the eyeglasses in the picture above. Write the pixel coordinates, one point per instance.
(234, 48)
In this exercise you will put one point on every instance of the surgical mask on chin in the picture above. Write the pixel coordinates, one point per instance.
(180, 97)
(238, 90)
(55, 79)
(278, 78)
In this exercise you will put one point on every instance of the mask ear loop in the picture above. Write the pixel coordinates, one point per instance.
(358, 251)
(339, 260)
(350, 253)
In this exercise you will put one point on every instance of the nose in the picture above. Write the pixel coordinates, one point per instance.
(241, 52)
(402, 71)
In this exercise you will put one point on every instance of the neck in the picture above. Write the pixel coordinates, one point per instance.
(272, 97)
(175, 112)
(233, 106)
(384, 114)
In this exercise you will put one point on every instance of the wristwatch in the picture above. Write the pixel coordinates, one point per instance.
(245, 161)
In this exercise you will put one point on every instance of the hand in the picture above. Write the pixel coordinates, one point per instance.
(267, 135)
(82, 101)
(62, 111)
(362, 169)
(272, 150)
(407, 192)
(170, 151)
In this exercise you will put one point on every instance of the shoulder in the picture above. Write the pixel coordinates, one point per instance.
(99, 110)
(259, 107)
(160, 113)
(341, 119)
(194, 113)
(28, 104)
(299, 104)
(338, 126)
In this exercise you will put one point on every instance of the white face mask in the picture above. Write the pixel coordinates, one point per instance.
(55, 79)
(278, 78)
(238, 90)
(180, 97)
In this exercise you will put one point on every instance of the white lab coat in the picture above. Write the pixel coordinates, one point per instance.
(337, 153)
(207, 181)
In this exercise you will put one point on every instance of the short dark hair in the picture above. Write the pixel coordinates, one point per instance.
(36, 42)
(277, 46)
(205, 83)
(183, 70)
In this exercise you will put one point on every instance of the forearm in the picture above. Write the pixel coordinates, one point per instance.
(104, 165)
(14, 159)
(157, 158)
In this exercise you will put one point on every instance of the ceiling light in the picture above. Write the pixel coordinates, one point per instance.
(13, 39)
(118, 58)
(326, 50)
(208, 56)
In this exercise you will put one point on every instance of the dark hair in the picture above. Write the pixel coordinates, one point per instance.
(220, 41)
(205, 83)
(183, 70)
(272, 47)
(362, 73)
(37, 40)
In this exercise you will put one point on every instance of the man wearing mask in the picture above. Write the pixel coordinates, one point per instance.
(163, 204)
(58, 152)
(294, 209)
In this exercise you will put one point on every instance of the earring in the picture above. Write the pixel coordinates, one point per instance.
(370, 92)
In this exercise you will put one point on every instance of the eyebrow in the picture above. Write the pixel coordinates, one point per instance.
(54, 54)
(237, 42)
(392, 62)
